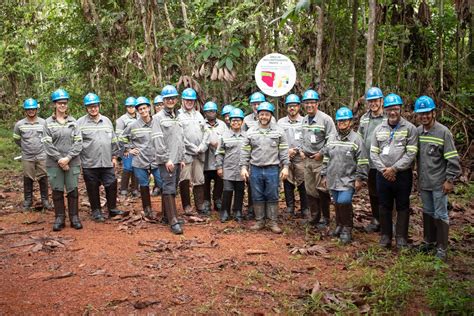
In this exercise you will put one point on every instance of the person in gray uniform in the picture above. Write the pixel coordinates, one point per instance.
(27, 134)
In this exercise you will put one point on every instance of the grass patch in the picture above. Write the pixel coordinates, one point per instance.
(8, 150)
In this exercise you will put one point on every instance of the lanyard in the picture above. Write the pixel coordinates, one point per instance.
(392, 133)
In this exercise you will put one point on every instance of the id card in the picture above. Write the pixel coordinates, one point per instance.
(297, 136)
(386, 150)
(313, 139)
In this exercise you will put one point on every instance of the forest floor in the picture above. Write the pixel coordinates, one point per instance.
(132, 266)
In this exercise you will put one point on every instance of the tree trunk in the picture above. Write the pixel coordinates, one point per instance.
(147, 28)
(369, 65)
(319, 43)
(440, 43)
(355, 8)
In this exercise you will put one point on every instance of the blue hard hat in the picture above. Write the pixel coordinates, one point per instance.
(373, 93)
(424, 104)
(91, 98)
(130, 101)
(257, 97)
(265, 106)
(189, 94)
(236, 113)
(392, 99)
(30, 104)
(310, 95)
(226, 109)
(343, 113)
(158, 99)
(210, 106)
(59, 94)
(292, 98)
(169, 91)
(141, 101)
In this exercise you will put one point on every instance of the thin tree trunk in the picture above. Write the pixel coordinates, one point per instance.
(369, 65)
(441, 55)
(95, 17)
(147, 27)
(355, 8)
(319, 43)
(185, 14)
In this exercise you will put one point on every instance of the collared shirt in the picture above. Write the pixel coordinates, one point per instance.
(228, 154)
(122, 122)
(168, 137)
(394, 147)
(196, 134)
(438, 159)
(28, 136)
(61, 140)
(264, 147)
(367, 125)
(251, 120)
(345, 160)
(99, 142)
(138, 135)
(316, 131)
(215, 133)
(294, 133)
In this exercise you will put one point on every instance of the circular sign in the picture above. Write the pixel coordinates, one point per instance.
(275, 74)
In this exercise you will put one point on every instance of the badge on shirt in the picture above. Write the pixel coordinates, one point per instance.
(297, 135)
(313, 138)
(386, 150)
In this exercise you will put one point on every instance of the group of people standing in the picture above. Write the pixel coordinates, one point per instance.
(221, 159)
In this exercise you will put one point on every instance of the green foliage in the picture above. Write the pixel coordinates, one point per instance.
(8, 150)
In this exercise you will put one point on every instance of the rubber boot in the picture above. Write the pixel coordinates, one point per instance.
(73, 208)
(198, 193)
(226, 204)
(217, 204)
(374, 225)
(347, 223)
(442, 239)
(259, 208)
(27, 193)
(385, 227)
(237, 205)
(337, 231)
(429, 234)
(94, 200)
(272, 215)
(217, 193)
(305, 213)
(59, 213)
(314, 209)
(401, 236)
(134, 186)
(289, 190)
(185, 197)
(43, 184)
(146, 203)
(111, 196)
(206, 206)
(124, 182)
(250, 210)
(170, 207)
(325, 201)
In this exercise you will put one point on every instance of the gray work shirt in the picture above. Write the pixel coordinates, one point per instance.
(168, 137)
(28, 136)
(122, 122)
(345, 160)
(138, 135)
(251, 120)
(316, 131)
(99, 142)
(196, 135)
(62, 140)
(438, 159)
(294, 133)
(394, 147)
(367, 126)
(215, 133)
(264, 147)
(228, 154)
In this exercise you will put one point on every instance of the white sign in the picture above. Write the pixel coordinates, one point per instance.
(275, 74)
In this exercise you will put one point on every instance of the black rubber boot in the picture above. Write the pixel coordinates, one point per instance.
(442, 239)
(303, 201)
(185, 197)
(198, 193)
(217, 204)
(73, 208)
(289, 190)
(314, 209)
(337, 231)
(94, 200)
(374, 225)
(134, 187)
(170, 207)
(347, 223)
(59, 210)
(250, 211)
(226, 205)
(325, 201)
(124, 182)
(146, 203)
(272, 216)
(385, 227)
(429, 234)
(238, 204)
(111, 196)
(43, 184)
(27, 193)
(401, 236)
(259, 208)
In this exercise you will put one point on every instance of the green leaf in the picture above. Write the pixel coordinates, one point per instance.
(206, 54)
(229, 63)
(235, 51)
(221, 63)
